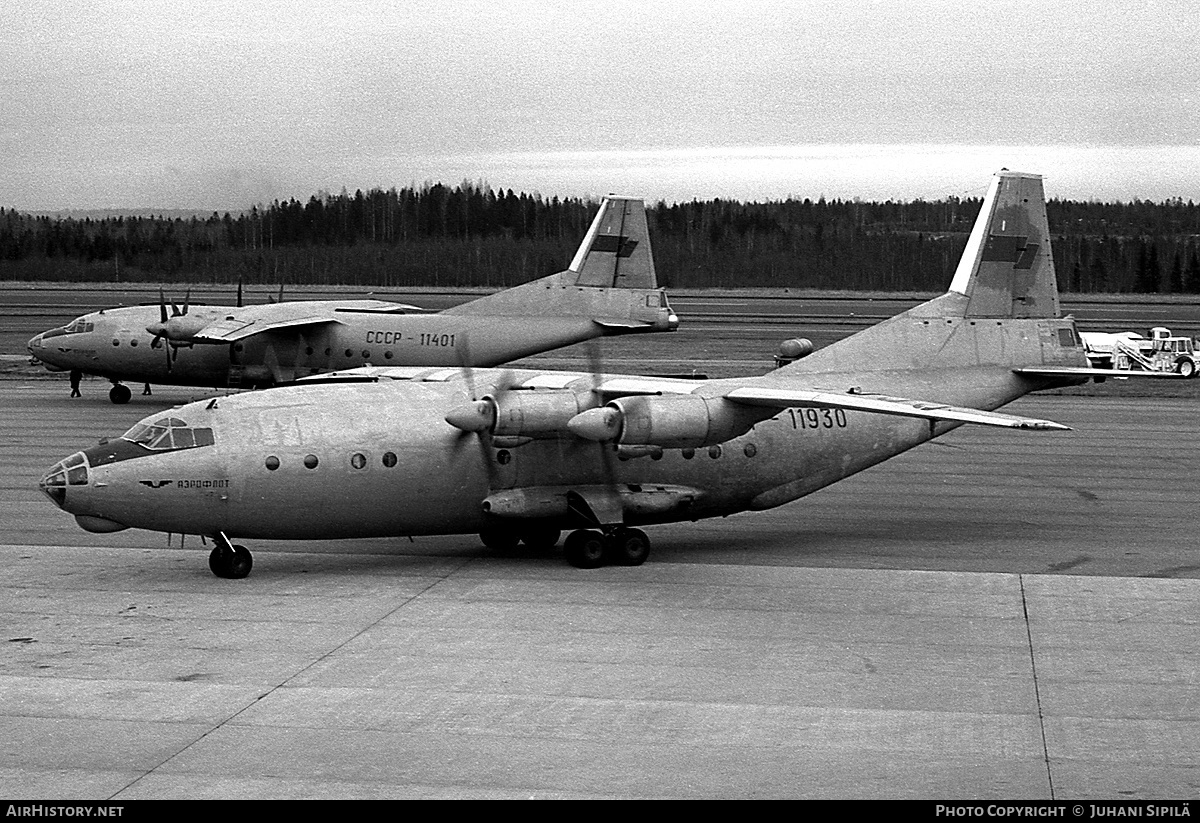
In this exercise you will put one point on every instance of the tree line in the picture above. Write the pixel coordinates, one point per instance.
(472, 235)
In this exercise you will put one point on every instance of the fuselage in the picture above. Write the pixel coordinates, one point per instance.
(116, 345)
(378, 459)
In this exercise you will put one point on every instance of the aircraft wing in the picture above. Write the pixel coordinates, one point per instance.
(233, 329)
(882, 404)
(1084, 371)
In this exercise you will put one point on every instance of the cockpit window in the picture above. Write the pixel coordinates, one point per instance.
(78, 325)
(168, 433)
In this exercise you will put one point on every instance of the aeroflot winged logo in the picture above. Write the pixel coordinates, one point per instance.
(156, 484)
(620, 244)
(1007, 248)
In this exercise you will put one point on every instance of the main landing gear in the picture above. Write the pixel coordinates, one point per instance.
(591, 549)
(584, 548)
(119, 394)
(229, 561)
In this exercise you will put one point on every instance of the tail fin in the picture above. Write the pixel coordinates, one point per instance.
(610, 285)
(615, 253)
(1006, 269)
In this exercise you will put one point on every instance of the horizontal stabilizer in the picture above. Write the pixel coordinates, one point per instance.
(620, 324)
(1084, 371)
(881, 404)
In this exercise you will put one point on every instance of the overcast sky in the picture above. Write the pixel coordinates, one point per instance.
(213, 104)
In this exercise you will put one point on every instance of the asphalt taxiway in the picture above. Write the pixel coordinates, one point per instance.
(995, 615)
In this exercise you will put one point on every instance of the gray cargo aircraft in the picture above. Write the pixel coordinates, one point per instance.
(521, 455)
(610, 288)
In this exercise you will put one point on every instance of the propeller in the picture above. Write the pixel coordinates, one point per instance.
(167, 329)
(477, 419)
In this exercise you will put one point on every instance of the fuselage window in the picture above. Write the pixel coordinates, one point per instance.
(366, 355)
(750, 450)
(272, 463)
(387, 355)
(310, 461)
(688, 454)
(358, 460)
(349, 353)
(714, 452)
(389, 459)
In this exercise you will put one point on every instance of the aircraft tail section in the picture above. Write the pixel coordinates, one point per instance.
(1001, 310)
(1006, 269)
(611, 283)
(615, 253)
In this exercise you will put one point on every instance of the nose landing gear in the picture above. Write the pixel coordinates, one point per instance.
(229, 561)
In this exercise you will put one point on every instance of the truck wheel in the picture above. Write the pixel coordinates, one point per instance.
(1185, 367)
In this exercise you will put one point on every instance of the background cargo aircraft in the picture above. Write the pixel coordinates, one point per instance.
(610, 288)
(521, 455)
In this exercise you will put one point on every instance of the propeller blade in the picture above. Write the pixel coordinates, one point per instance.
(187, 299)
(239, 293)
(162, 306)
(608, 450)
(463, 352)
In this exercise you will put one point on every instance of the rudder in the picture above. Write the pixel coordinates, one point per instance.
(1007, 269)
(615, 253)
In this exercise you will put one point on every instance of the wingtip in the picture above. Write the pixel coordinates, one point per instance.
(1044, 425)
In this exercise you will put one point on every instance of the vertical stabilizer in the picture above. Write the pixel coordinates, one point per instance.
(616, 251)
(1006, 269)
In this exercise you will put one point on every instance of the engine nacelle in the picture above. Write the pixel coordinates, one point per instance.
(536, 414)
(670, 421)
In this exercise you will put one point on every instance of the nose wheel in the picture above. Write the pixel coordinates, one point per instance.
(621, 546)
(228, 561)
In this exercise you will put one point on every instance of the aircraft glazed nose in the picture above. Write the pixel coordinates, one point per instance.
(54, 484)
(34, 344)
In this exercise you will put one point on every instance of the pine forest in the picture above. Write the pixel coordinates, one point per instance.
(471, 235)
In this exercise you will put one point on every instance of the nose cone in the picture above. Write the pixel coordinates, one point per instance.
(54, 483)
(67, 485)
(41, 350)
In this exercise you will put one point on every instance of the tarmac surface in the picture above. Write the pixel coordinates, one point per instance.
(996, 615)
